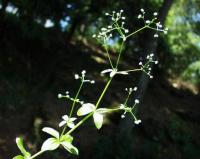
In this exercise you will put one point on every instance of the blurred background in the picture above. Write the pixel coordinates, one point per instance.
(43, 43)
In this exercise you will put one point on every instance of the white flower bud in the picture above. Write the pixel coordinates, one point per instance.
(76, 76)
(137, 122)
(137, 101)
(59, 95)
(155, 13)
(135, 88)
(155, 35)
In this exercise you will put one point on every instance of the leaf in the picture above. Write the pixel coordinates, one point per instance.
(69, 147)
(103, 110)
(20, 145)
(67, 138)
(50, 144)
(51, 131)
(86, 109)
(98, 120)
(18, 157)
(106, 71)
(62, 123)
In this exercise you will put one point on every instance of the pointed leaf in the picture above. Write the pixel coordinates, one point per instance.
(106, 71)
(50, 144)
(98, 120)
(51, 131)
(69, 147)
(18, 157)
(66, 138)
(102, 110)
(62, 123)
(70, 124)
(86, 109)
(20, 145)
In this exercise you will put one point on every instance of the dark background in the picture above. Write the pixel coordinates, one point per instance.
(44, 43)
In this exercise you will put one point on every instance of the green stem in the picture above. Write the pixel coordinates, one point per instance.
(73, 105)
(136, 31)
(77, 94)
(119, 56)
(103, 93)
(37, 154)
(108, 56)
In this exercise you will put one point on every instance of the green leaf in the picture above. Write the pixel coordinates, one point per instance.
(86, 109)
(67, 138)
(51, 131)
(103, 110)
(50, 144)
(20, 145)
(98, 120)
(18, 157)
(69, 147)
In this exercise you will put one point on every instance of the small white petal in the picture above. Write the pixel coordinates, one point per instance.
(62, 123)
(106, 71)
(72, 119)
(70, 125)
(137, 101)
(65, 117)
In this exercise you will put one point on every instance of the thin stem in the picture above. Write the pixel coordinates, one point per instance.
(120, 52)
(96, 106)
(103, 93)
(136, 31)
(37, 154)
(138, 69)
(106, 48)
(77, 94)
(73, 105)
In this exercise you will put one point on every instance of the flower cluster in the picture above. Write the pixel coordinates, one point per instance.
(117, 24)
(67, 95)
(153, 23)
(146, 67)
(82, 77)
(128, 109)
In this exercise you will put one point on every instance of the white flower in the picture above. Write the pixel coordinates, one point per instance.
(114, 72)
(155, 13)
(139, 16)
(126, 30)
(137, 101)
(147, 21)
(140, 63)
(68, 121)
(137, 122)
(76, 76)
(142, 10)
(107, 14)
(135, 88)
(59, 95)
(156, 62)
(155, 35)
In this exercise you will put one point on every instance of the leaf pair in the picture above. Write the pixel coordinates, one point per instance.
(57, 140)
(97, 113)
(20, 145)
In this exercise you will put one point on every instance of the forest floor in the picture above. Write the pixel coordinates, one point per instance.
(170, 117)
